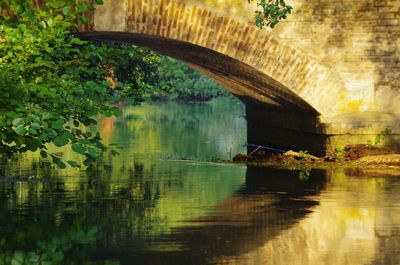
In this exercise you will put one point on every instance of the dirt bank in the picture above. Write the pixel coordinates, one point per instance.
(352, 156)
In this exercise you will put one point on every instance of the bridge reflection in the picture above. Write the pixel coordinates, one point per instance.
(275, 218)
(269, 203)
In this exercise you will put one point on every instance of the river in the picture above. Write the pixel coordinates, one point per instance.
(162, 201)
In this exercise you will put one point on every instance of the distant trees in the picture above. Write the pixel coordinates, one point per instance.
(178, 81)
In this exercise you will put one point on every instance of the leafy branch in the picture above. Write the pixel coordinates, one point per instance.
(271, 13)
(52, 83)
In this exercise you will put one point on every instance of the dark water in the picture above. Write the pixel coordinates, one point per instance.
(148, 206)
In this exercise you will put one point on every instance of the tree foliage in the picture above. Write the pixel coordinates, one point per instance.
(135, 66)
(52, 84)
(175, 80)
(271, 12)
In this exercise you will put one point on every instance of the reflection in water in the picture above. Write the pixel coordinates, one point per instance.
(269, 202)
(175, 130)
(344, 228)
(140, 209)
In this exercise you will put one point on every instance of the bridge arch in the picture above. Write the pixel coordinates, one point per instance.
(251, 64)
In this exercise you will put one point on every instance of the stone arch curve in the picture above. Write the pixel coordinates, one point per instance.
(250, 63)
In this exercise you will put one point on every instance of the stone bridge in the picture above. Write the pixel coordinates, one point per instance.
(330, 69)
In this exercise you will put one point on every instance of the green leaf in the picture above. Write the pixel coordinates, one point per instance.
(60, 141)
(92, 152)
(43, 154)
(43, 137)
(78, 149)
(32, 147)
(72, 163)
(20, 130)
(82, 8)
(67, 10)
(83, 20)
(67, 135)
(89, 121)
(85, 141)
(34, 118)
(114, 153)
(22, 27)
(38, 79)
(18, 258)
(61, 165)
(58, 124)
(17, 121)
(32, 130)
(50, 22)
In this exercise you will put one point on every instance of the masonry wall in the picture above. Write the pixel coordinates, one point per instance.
(359, 39)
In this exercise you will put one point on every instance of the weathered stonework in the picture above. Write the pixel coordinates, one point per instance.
(333, 64)
(360, 40)
(192, 23)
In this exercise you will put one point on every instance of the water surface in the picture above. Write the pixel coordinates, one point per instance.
(160, 202)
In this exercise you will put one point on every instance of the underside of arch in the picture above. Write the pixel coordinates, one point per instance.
(250, 85)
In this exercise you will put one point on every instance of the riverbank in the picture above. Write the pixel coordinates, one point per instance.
(351, 157)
